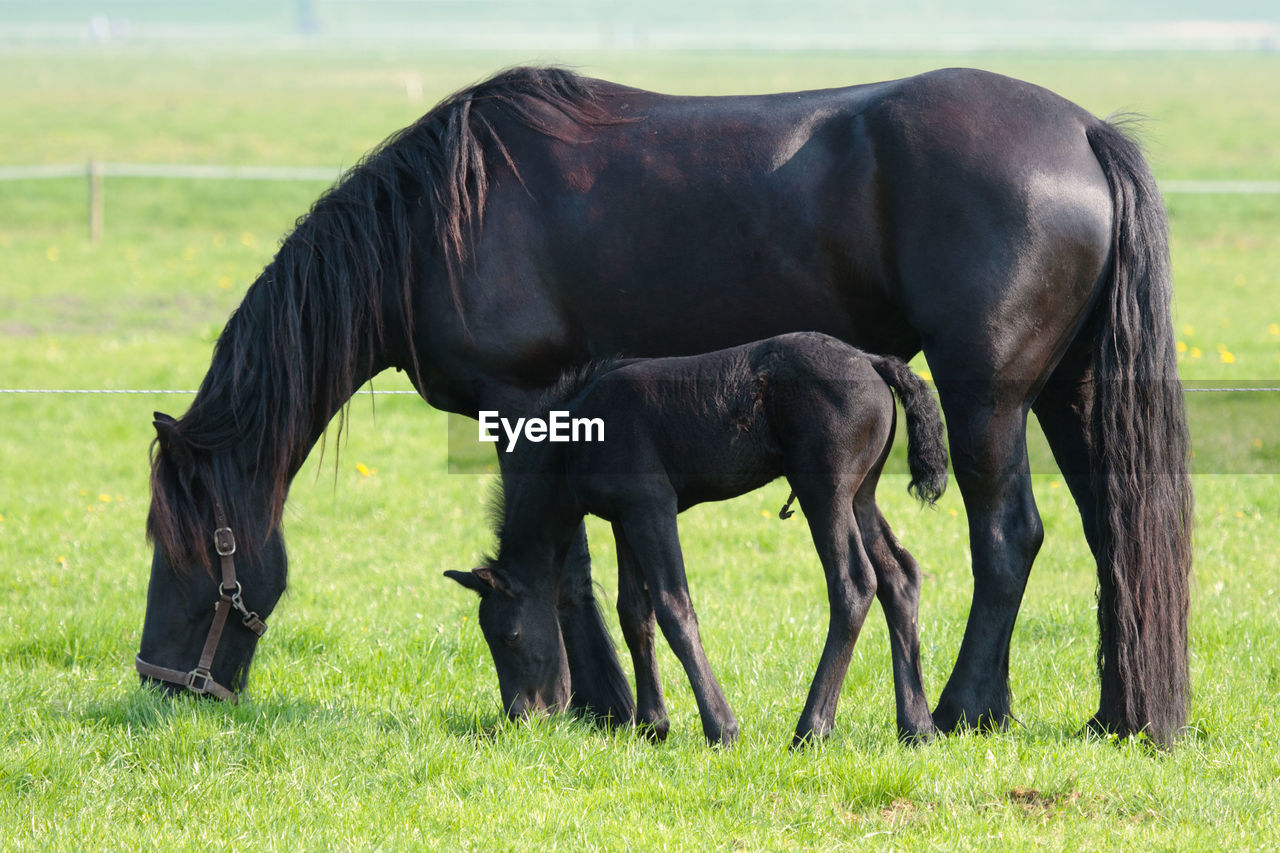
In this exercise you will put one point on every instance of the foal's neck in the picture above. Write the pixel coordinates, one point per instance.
(539, 517)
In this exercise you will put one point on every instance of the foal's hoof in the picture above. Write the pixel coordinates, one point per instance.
(654, 730)
(806, 736)
(724, 736)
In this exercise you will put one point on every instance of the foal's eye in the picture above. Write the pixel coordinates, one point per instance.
(511, 638)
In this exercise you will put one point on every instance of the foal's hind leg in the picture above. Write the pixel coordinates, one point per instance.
(635, 614)
(898, 588)
(851, 584)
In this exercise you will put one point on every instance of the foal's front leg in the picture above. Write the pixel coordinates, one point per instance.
(635, 614)
(655, 542)
(598, 683)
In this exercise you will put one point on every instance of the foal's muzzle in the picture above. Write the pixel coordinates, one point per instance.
(529, 703)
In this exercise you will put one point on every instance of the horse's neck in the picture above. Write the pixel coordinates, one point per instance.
(275, 411)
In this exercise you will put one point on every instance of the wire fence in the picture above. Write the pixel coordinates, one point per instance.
(1225, 389)
(96, 171)
(162, 391)
(214, 172)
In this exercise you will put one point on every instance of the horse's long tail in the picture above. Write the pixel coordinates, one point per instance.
(926, 445)
(1139, 463)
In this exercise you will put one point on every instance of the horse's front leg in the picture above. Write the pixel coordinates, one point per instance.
(635, 614)
(597, 681)
(655, 542)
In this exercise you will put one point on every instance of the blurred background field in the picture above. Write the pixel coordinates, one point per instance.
(373, 696)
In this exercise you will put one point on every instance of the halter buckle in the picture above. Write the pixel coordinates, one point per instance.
(234, 595)
(224, 541)
(198, 680)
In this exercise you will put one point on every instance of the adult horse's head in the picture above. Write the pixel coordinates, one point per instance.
(522, 628)
(218, 570)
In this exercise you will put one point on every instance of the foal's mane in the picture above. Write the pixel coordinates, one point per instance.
(312, 326)
(574, 381)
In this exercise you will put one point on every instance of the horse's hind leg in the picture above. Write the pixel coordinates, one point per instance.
(655, 542)
(898, 588)
(851, 585)
(989, 455)
(635, 615)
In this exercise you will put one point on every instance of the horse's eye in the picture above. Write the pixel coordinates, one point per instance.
(512, 638)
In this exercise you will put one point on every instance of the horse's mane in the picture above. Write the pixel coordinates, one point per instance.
(311, 327)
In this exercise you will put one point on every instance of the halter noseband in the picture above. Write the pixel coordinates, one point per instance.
(200, 680)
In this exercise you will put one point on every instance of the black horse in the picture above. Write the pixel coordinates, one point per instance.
(540, 220)
(680, 431)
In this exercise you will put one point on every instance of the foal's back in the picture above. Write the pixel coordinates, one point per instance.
(714, 426)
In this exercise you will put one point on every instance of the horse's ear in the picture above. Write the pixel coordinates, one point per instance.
(171, 444)
(481, 581)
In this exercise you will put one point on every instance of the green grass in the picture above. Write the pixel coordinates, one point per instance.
(373, 716)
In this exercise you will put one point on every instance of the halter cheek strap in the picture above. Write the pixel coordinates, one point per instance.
(200, 680)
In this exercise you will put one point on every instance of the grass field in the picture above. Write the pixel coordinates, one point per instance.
(372, 715)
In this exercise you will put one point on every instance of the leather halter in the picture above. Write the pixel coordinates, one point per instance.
(200, 680)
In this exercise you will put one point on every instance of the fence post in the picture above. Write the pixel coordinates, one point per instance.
(97, 204)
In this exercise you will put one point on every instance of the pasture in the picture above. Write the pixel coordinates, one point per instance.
(373, 716)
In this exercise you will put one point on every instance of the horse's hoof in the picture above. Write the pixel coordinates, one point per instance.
(917, 736)
(949, 719)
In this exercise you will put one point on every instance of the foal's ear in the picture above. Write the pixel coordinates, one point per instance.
(172, 445)
(481, 581)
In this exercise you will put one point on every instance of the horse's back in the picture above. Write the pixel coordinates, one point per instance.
(930, 208)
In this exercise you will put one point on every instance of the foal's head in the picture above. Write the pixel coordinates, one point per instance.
(522, 628)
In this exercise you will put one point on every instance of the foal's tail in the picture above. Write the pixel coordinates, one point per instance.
(1140, 451)
(926, 445)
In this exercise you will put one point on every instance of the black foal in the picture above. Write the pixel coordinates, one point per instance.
(680, 431)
